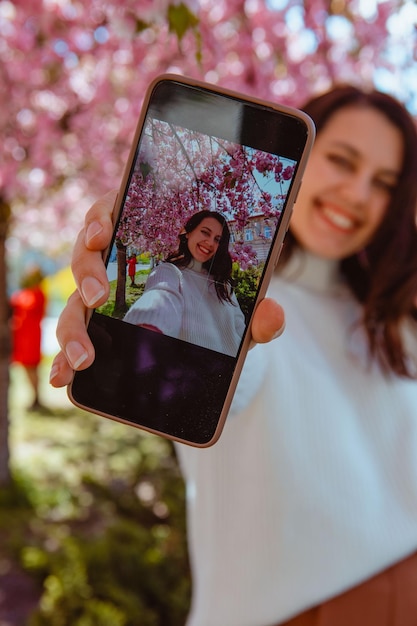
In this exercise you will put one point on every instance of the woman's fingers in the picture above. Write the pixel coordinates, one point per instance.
(89, 272)
(268, 321)
(77, 351)
(98, 226)
(61, 372)
(87, 260)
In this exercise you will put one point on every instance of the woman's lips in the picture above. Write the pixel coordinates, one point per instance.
(339, 219)
(204, 250)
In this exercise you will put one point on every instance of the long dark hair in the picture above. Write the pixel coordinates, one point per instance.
(384, 276)
(220, 265)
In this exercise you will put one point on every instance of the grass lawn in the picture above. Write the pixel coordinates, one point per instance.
(132, 292)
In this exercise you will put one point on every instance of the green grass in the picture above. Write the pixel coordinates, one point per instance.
(132, 293)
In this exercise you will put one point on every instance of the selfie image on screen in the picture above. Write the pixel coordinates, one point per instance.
(195, 231)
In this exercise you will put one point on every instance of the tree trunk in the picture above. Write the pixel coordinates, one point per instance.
(120, 307)
(4, 350)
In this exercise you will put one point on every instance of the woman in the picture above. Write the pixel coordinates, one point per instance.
(131, 269)
(28, 310)
(189, 297)
(304, 512)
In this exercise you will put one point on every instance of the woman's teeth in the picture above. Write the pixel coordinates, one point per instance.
(338, 219)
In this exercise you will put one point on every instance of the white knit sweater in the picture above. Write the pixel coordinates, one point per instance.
(312, 486)
(184, 304)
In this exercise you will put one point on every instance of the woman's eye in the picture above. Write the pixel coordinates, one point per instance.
(385, 185)
(341, 161)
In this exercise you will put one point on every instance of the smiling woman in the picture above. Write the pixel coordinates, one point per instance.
(347, 187)
(304, 485)
(204, 240)
(304, 512)
(357, 207)
(194, 278)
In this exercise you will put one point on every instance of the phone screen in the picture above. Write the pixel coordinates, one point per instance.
(203, 211)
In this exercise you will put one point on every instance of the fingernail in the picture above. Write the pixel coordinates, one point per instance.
(92, 231)
(53, 373)
(91, 290)
(76, 354)
(279, 332)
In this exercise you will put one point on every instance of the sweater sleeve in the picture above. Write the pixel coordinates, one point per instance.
(251, 379)
(161, 304)
(239, 318)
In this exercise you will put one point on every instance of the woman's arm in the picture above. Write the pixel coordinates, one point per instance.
(77, 352)
(161, 305)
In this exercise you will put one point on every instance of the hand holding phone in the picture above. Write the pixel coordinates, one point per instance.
(204, 204)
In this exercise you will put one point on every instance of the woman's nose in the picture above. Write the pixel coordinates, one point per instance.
(358, 188)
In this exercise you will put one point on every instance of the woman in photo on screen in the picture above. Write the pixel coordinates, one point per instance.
(189, 296)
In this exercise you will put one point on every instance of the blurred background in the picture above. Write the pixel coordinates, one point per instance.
(91, 512)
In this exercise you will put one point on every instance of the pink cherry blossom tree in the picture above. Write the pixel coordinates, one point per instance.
(73, 75)
(180, 172)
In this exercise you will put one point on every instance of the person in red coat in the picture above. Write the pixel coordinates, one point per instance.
(28, 309)
(131, 269)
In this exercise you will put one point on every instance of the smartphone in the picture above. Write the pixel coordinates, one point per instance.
(199, 223)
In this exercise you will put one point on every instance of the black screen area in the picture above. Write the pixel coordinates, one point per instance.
(154, 381)
(251, 125)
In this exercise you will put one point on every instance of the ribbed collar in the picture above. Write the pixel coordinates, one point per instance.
(314, 272)
(196, 266)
